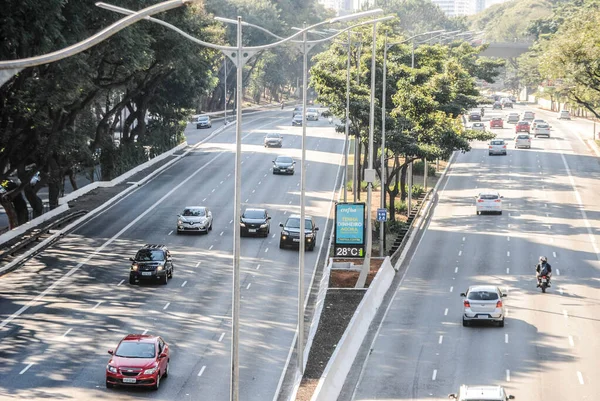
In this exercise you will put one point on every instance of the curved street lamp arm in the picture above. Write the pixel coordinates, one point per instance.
(369, 22)
(92, 40)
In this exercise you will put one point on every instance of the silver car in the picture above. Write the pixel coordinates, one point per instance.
(478, 127)
(513, 118)
(195, 219)
(273, 139)
(312, 115)
(483, 302)
(497, 147)
(541, 129)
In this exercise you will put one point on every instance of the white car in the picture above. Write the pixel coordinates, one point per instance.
(536, 122)
(273, 139)
(483, 303)
(542, 129)
(480, 393)
(528, 116)
(522, 141)
(312, 115)
(488, 202)
(564, 115)
(497, 147)
(478, 126)
(513, 118)
(195, 219)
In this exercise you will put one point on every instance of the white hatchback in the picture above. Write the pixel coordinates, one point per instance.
(488, 202)
(479, 393)
(497, 147)
(564, 115)
(478, 126)
(542, 129)
(523, 141)
(484, 303)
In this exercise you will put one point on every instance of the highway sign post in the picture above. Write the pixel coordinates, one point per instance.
(349, 230)
(381, 214)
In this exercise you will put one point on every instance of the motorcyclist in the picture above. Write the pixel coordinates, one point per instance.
(330, 120)
(543, 268)
(282, 104)
(482, 112)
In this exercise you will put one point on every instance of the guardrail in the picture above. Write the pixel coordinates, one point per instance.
(396, 254)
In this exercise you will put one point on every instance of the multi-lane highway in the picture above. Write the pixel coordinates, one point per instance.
(62, 311)
(549, 348)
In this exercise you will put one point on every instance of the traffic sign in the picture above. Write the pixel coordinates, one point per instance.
(381, 214)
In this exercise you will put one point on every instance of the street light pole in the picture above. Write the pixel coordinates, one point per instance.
(355, 178)
(225, 88)
(347, 125)
(383, 159)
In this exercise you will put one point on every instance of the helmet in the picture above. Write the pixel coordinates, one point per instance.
(543, 259)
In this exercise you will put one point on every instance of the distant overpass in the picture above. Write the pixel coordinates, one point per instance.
(506, 49)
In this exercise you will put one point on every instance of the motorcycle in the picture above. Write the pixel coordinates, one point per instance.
(544, 283)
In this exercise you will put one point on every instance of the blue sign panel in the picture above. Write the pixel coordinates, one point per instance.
(350, 224)
(381, 214)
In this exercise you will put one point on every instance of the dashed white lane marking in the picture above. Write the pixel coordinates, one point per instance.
(557, 272)
(248, 286)
(273, 236)
(247, 200)
(221, 337)
(508, 270)
(451, 289)
(184, 283)
(254, 190)
(231, 221)
(571, 342)
(26, 368)
(260, 182)
(167, 305)
(266, 250)
(446, 312)
(434, 374)
(456, 270)
(222, 182)
(459, 253)
(507, 253)
(170, 232)
(222, 232)
(201, 371)
(508, 238)
(290, 202)
(441, 339)
(198, 264)
(258, 266)
(210, 247)
(229, 175)
(121, 282)
(565, 314)
(551, 239)
(580, 377)
(67, 332)
(203, 199)
(560, 290)
(506, 338)
(464, 239)
(145, 331)
(97, 304)
(507, 375)
(545, 205)
(554, 254)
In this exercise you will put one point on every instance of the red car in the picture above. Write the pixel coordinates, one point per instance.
(139, 360)
(496, 122)
(522, 126)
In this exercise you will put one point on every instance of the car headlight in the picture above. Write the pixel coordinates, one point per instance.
(310, 235)
(264, 225)
(111, 369)
(134, 267)
(180, 222)
(242, 224)
(160, 268)
(285, 233)
(150, 371)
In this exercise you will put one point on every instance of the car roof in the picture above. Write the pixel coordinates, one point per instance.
(254, 209)
(488, 288)
(199, 117)
(497, 118)
(495, 393)
(273, 133)
(194, 208)
(155, 246)
(146, 338)
(489, 193)
(297, 216)
(523, 122)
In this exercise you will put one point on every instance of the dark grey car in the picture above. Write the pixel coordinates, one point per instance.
(152, 262)
(255, 222)
(290, 233)
(283, 165)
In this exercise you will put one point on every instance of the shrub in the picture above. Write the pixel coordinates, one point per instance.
(417, 190)
(394, 227)
(400, 206)
(419, 167)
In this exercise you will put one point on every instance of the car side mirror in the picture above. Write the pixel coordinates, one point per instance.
(111, 352)
(511, 397)
(163, 355)
(462, 294)
(268, 217)
(280, 224)
(316, 228)
(452, 396)
(501, 196)
(504, 295)
(131, 259)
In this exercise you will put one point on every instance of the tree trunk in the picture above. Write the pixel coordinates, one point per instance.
(21, 209)
(403, 182)
(11, 213)
(359, 169)
(34, 201)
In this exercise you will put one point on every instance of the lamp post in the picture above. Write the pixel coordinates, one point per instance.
(386, 47)
(225, 89)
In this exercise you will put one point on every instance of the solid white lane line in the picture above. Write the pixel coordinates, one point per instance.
(198, 264)
(201, 371)
(451, 289)
(170, 232)
(26, 368)
(554, 254)
(266, 249)
(220, 235)
(571, 342)
(557, 272)
(507, 253)
(121, 282)
(145, 331)
(507, 375)
(210, 247)
(446, 312)
(166, 306)
(441, 339)
(434, 374)
(459, 253)
(258, 266)
(506, 338)
(184, 283)
(67, 332)
(248, 287)
(580, 377)
(97, 304)
(221, 337)
(456, 269)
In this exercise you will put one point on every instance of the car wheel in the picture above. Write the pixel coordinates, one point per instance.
(131, 280)
(109, 385)
(501, 323)
(165, 279)
(157, 384)
(500, 212)
(170, 274)
(166, 374)
(489, 154)
(465, 322)
(478, 213)
(210, 227)
(311, 248)
(281, 246)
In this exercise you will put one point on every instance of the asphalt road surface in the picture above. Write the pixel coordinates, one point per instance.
(62, 311)
(549, 348)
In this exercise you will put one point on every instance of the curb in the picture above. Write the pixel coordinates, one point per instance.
(106, 204)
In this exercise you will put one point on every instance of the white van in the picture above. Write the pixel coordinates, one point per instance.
(480, 393)
(564, 115)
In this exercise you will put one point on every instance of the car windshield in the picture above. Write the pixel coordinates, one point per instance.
(542, 125)
(149, 255)
(488, 196)
(272, 135)
(204, 118)
(523, 137)
(254, 214)
(312, 110)
(194, 212)
(482, 296)
(496, 119)
(136, 350)
(497, 142)
(295, 223)
(284, 159)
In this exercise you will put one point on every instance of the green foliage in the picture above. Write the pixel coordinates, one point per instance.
(417, 190)
(400, 206)
(395, 227)
(418, 168)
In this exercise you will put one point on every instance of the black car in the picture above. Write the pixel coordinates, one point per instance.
(497, 105)
(290, 233)
(283, 165)
(255, 222)
(475, 116)
(152, 262)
